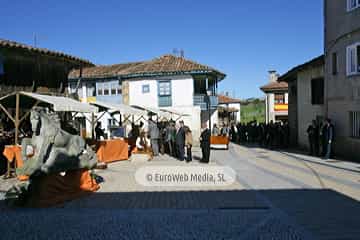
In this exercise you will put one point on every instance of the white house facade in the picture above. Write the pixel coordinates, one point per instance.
(167, 82)
(276, 99)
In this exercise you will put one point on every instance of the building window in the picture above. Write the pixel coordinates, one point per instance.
(352, 4)
(72, 88)
(317, 91)
(355, 124)
(145, 88)
(353, 59)
(106, 89)
(114, 88)
(90, 90)
(279, 98)
(334, 64)
(100, 89)
(119, 90)
(164, 93)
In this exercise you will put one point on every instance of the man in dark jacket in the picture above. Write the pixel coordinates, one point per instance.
(154, 136)
(329, 137)
(205, 144)
(312, 137)
(180, 141)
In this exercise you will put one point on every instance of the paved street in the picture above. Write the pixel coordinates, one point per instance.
(277, 196)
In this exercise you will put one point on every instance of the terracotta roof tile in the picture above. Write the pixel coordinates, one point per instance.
(273, 86)
(225, 99)
(11, 44)
(164, 65)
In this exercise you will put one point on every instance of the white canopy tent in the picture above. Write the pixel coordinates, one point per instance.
(174, 112)
(160, 113)
(63, 104)
(28, 100)
(122, 108)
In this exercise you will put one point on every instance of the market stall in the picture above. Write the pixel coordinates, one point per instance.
(116, 149)
(17, 107)
(112, 150)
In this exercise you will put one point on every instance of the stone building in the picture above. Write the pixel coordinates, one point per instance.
(342, 73)
(27, 68)
(306, 98)
(276, 99)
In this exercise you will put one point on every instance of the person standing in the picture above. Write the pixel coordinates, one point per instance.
(154, 136)
(188, 144)
(205, 144)
(180, 141)
(329, 137)
(99, 132)
(170, 137)
(215, 130)
(311, 136)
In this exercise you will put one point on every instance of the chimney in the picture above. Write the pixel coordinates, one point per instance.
(273, 76)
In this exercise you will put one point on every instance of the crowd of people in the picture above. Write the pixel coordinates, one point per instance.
(168, 137)
(321, 135)
(272, 135)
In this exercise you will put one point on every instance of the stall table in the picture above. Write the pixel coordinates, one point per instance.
(112, 150)
(219, 142)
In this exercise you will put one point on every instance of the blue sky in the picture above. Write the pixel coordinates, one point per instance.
(243, 39)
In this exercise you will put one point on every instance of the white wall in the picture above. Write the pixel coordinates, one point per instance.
(137, 97)
(182, 90)
(306, 110)
(271, 105)
(238, 107)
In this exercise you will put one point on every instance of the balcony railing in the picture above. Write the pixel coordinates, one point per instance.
(200, 100)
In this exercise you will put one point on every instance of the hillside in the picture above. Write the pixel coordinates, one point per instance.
(253, 109)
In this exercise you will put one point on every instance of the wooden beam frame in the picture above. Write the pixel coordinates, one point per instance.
(7, 113)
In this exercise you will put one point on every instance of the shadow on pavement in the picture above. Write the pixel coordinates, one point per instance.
(323, 213)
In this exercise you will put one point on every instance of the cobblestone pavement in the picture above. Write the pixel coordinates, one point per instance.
(276, 197)
(324, 200)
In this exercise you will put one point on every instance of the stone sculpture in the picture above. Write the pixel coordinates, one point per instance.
(51, 149)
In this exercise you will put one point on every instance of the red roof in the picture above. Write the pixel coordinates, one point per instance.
(275, 86)
(11, 44)
(164, 65)
(225, 99)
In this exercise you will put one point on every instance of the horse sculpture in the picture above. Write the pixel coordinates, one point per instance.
(52, 149)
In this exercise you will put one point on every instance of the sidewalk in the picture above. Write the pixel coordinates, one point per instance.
(336, 163)
(301, 155)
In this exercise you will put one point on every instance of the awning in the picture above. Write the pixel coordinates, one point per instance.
(172, 111)
(58, 103)
(155, 111)
(122, 108)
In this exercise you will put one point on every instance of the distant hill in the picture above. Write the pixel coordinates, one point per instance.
(253, 109)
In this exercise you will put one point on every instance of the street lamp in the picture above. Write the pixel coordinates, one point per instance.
(207, 99)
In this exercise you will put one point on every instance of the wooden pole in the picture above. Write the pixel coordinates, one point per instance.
(92, 126)
(17, 118)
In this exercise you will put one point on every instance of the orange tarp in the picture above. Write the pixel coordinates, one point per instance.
(55, 189)
(12, 152)
(112, 150)
(219, 140)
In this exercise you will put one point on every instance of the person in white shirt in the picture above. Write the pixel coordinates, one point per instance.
(142, 142)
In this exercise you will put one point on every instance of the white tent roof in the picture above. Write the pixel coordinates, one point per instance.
(122, 108)
(172, 111)
(63, 104)
(155, 111)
